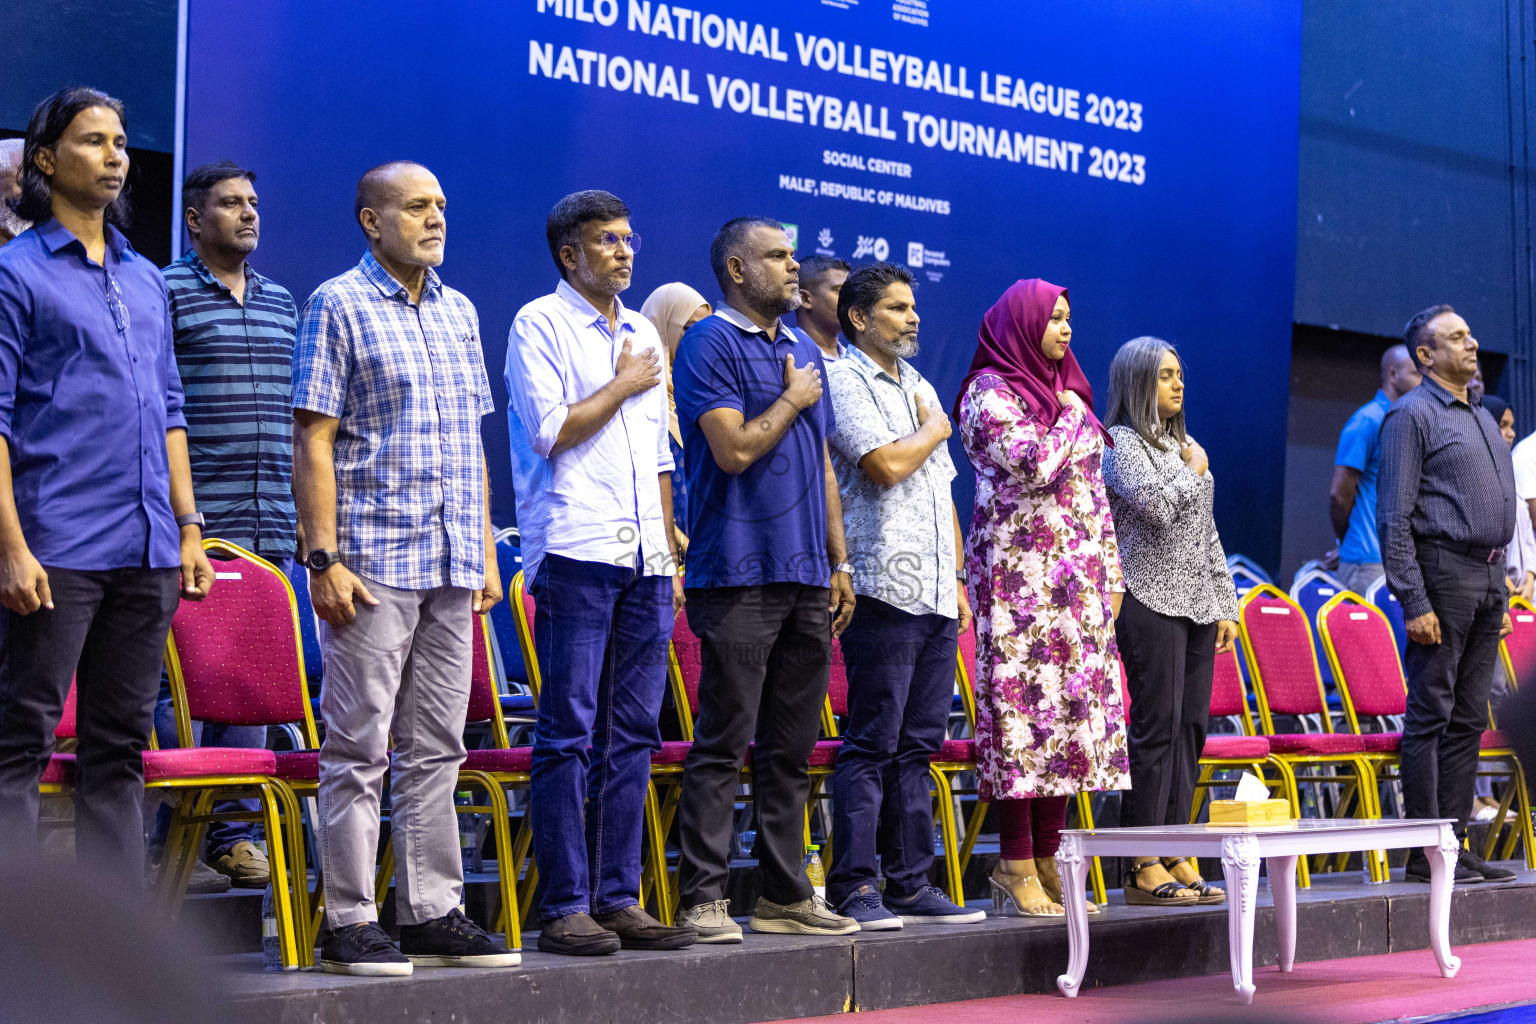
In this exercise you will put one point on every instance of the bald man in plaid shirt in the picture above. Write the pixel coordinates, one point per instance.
(389, 386)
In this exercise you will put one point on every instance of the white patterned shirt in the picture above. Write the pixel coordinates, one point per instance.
(409, 386)
(901, 539)
(598, 501)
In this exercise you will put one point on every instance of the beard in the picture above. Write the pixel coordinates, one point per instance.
(902, 347)
(766, 298)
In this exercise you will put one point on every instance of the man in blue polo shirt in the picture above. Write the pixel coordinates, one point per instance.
(767, 526)
(1352, 496)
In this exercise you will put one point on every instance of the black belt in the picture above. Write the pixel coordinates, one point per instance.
(1482, 553)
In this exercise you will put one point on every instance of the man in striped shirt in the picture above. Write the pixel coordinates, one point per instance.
(234, 334)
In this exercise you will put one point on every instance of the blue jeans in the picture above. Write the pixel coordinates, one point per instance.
(601, 633)
(901, 679)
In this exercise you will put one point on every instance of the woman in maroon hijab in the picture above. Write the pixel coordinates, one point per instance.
(1045, 582)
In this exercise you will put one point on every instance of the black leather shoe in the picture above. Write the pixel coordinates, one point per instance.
(638, 930)
(1473, 862)
(1417, 870)
(453, 940)
(577, 935)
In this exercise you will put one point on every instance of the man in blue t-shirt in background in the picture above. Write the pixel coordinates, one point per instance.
(1352, 495)
(768, 581)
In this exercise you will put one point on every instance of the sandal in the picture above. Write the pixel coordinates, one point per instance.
(1164, 895)
(1050, 881)
(1023, 892)
(1209, 894)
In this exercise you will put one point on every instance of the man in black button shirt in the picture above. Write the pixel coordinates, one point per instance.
(1445, 511)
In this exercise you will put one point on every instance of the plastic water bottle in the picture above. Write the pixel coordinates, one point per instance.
(271, 945)
(814, 871)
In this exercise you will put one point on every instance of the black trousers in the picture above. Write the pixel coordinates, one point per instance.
(1168, 667)
(767, 652)
(107, 631)
(1448, 685)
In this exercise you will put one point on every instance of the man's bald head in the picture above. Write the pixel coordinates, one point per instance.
(1399, 375)
(378, 184)
(10, 188)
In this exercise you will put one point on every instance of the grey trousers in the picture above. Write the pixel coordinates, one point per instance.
(399, 669)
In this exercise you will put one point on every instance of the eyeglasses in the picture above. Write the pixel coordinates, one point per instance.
(610, 241)
(115, 303)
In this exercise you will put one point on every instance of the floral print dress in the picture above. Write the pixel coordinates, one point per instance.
(1043, 560)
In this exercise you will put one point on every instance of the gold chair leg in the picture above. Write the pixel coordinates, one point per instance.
(947, 828)
(972, 830)
(282, 896)
(1293, 794)
(507, 920)
(656, 840)
(299, 866)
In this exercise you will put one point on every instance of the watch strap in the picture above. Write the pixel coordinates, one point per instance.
(191, 519)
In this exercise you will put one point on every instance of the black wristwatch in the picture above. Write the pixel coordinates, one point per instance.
(320, 559)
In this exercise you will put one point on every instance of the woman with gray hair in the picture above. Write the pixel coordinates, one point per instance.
(1179, 610)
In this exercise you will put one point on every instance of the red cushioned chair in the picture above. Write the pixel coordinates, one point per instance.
(1283, 664)
(1363, 650)
(237, 658)
(1223, 751)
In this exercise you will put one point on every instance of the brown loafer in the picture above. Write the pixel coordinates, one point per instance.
(577, 935)
(638, 930)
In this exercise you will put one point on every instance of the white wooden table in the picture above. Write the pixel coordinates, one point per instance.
(1240, 848)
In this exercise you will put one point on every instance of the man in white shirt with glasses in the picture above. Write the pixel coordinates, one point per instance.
(593, 474)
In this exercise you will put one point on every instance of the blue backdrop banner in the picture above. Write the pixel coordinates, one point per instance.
(1142, 153)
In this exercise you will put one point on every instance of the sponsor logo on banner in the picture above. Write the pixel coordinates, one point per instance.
(921, 257)
(871, 245)
(793, 231)
(824, 243)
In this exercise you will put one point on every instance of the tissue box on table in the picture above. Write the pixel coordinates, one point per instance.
(1250, 812)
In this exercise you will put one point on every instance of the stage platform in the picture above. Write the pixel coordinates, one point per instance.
(776, 977)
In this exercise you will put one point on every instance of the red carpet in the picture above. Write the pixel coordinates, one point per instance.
(1363, 990)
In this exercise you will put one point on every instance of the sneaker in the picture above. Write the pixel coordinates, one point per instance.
(638, 930)
(363, 951)
(1417, 870)
(245, 865)
(205, 880)
(811, 916)
(577, 935)
(864, 906)
(712, 921)
(1468, 859)
(453, 940)
(931, 906)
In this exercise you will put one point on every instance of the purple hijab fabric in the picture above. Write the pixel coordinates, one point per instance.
(1009, 346)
